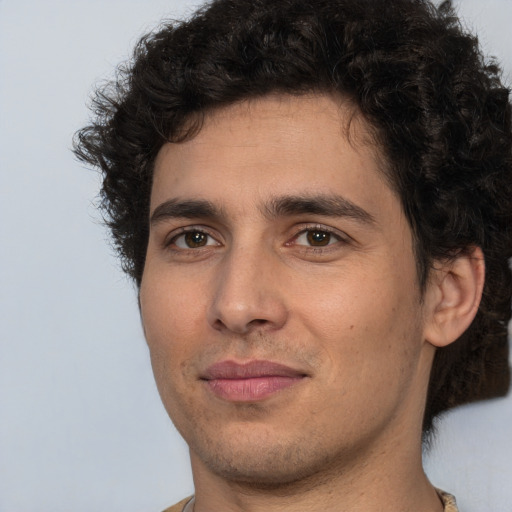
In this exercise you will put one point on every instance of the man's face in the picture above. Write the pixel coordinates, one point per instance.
(279, 297)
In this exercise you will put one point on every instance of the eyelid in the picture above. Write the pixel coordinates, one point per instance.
(300, 229)
(303, 228)
(175, 233)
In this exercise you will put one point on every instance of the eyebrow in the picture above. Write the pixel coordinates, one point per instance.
(282, 206)
(188, 209)
(326, 205)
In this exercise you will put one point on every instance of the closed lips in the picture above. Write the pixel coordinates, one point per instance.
(250, 381)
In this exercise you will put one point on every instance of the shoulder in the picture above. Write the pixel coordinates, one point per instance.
(450, 505)
(178, 507)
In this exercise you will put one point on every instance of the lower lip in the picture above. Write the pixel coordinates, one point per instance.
(250, 389)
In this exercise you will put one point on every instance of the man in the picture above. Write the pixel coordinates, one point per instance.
(314, 200)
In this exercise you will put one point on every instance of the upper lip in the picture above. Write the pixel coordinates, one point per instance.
(257, 368)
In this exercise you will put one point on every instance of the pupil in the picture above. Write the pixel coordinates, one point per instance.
(318, 238)
(195, 239)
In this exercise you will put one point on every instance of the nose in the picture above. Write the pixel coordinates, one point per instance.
(247, 293)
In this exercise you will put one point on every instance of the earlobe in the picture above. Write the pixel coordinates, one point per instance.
(453, 296)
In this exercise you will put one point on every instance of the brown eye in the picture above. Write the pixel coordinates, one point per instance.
(318, 238)
(193, 240)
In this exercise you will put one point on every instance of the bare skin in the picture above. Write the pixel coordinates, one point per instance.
(276, 242)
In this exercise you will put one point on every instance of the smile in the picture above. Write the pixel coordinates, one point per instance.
(251, 381)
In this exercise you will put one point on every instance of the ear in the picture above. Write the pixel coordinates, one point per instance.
(452, 297)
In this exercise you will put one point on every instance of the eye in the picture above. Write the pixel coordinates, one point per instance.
(193, 240)
(316, 238)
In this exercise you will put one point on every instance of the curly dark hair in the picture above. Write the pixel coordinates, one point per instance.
(439, 112)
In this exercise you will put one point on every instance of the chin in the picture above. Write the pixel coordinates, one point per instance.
(270, 473)
(263, 463)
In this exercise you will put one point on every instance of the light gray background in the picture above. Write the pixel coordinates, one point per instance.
(81, 425)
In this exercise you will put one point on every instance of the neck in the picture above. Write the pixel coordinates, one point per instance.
(390, 479)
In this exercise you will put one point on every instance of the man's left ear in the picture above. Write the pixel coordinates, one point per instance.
(452, 297)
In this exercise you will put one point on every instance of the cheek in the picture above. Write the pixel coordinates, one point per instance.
(371, 342)
(169, 308)
(369, 324)
(171, 316)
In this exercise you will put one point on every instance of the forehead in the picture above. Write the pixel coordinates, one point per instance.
(274, 145)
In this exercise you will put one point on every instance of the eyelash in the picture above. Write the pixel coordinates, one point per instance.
(169, 243)
(339, 238)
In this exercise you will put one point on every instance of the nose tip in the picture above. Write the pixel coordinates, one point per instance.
(246, 299)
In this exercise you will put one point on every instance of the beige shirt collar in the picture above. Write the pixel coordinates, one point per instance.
(448, 500)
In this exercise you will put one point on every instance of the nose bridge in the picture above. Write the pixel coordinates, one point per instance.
(246, 292)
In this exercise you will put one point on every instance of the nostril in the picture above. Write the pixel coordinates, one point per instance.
(240, 309)
(219, 324)
(240, 328)
(258, 321)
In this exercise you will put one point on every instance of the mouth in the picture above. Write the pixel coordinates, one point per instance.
(249, 382)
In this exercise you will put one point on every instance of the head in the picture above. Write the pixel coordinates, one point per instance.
(435, 115)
